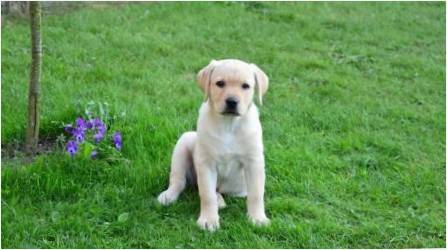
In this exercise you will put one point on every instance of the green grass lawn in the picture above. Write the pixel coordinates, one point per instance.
(354, 124)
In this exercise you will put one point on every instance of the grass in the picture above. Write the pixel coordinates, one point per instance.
(354, 124)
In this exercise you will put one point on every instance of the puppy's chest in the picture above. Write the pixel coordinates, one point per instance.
(228, 154)
(227, 146)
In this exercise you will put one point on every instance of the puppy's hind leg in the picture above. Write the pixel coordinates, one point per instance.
(181, 168)
(220, 201)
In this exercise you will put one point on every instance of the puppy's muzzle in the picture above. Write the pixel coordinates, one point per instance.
(231, 104)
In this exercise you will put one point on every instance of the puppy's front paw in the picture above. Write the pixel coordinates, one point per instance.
(210, 224)
(166, 198)
(259, 220)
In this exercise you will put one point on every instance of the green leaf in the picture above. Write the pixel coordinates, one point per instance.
(123, 217)
(55, 216)
(87, 150)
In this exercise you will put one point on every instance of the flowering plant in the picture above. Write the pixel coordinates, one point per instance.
(89, 140)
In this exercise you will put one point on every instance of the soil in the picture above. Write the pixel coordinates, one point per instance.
(15, 151)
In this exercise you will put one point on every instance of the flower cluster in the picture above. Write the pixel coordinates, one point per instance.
(83, 131)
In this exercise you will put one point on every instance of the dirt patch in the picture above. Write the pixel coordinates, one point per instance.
(14, 152)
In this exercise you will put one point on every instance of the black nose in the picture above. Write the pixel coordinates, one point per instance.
(231, 102)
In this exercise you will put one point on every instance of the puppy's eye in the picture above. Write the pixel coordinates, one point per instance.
(245, 86)
(220, 84)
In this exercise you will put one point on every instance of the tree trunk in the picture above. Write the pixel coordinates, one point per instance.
(32, 131)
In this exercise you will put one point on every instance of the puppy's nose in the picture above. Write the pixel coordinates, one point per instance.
(231, 102)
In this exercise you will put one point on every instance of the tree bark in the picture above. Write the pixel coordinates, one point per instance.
(32, 131)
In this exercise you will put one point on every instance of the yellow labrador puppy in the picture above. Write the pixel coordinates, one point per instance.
(226, 154)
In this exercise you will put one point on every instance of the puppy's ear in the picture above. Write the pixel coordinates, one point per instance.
(262, 82)
(204, 77)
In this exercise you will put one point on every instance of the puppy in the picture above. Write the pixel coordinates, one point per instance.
(226, 154)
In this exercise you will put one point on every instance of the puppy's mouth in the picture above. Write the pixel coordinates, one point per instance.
(230, 112)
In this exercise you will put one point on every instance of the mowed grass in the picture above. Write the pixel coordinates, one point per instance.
(354, 124)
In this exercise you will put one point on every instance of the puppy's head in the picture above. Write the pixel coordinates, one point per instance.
(230, 85)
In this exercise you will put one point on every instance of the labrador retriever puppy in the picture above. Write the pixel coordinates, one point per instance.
(226, 154)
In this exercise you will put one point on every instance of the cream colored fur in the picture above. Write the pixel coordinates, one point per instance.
(226, 154)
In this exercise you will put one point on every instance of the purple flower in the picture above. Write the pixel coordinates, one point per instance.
(96, 123)
(80, 124)
(89, 124)
(72, 147)
(98, 137)
(94, 154)
(69, 128)
(100, 133)
(79, 134)
(100, 128)
(118, 140)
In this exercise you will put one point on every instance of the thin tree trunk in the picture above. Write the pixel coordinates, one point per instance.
(32, 131)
